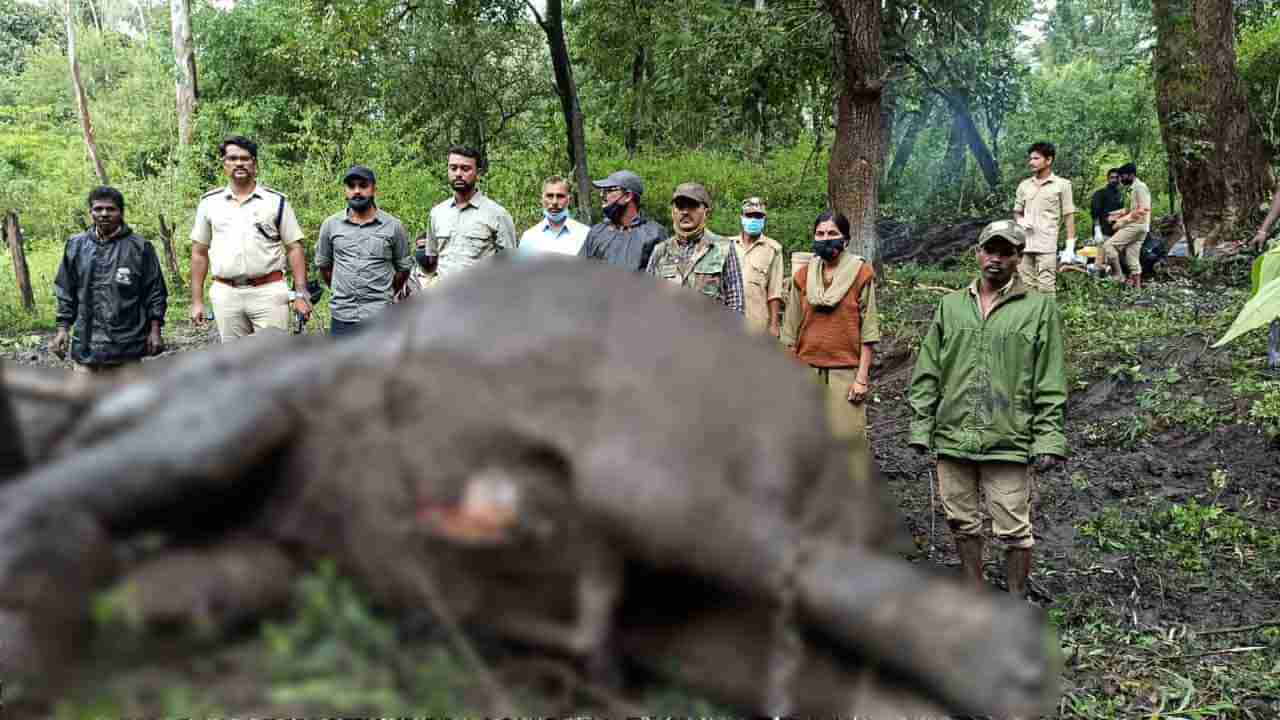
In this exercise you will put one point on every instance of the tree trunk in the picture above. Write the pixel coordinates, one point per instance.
(952, 170)
(82, 102)
(1216, 153)
(973, 138)
(637, 100)
(13, 231)
(184, 58)
(907, 145)
(553, 26)
(170, 256)
(854, 168)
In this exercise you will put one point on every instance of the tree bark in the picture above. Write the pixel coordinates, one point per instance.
(553, 26)
(952, 170)
(170, 256)
(973, 138)
(1216, 153)
(13, 232)
(638, 65)
(854, 169)
(82, 102)
(184, 58)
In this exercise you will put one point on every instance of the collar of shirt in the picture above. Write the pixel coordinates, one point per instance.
(546, 227)
(973, 287)
(473, 201)
(1044, 182)
(376, 220)
(230, 192)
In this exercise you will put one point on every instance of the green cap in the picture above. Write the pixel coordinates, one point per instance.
(1007, 229)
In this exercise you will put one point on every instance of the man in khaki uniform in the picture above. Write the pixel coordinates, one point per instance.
(1132, 226)
(1043, 203)
(242, 235)
(760, 258)
(467, 227)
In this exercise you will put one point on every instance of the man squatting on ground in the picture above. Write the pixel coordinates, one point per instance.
(1043, 203)
(1132, 227)
(242, 234)
(468, 227)
(362, 253)
(625, 237)
(832, 325)
(557, 232)
(987, 397)
(760, 258)
(696, 257)
(110, 289)
(1105, 201)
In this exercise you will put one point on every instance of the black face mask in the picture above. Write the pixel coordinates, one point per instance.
(614, 211)
(359, 204)
(828, 249)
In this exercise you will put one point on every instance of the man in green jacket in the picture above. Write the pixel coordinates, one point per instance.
(987, 396)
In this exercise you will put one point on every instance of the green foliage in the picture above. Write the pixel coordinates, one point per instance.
(1260, 310)
(1266, 410)
(22, 26)
(1258, 61)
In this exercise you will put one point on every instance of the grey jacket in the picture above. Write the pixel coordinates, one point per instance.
(627, 247)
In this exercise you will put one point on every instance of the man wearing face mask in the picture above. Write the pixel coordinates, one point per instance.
(760, 258)
(110, 290)
(696, 257)
(987, 397)
(833, 326)
(363, 254)
(626, 237)
(557, 233)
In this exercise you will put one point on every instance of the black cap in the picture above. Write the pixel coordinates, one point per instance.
(359, 171)
(624, 179)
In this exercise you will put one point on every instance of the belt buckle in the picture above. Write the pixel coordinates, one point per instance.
(242, 283)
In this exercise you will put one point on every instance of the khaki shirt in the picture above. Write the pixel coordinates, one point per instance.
(243, 239)
(761, 264)
(467, 234)
(1043, 204)
(1140, 197)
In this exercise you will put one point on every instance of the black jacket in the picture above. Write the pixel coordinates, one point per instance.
(109, 292)
(1105, 201)
(628, 247)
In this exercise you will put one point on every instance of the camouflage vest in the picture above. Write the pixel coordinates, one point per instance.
(707, 272)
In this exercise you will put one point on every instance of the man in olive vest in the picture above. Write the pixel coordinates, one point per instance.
(694, 257)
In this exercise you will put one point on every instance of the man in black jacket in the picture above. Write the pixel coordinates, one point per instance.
(1106, 201)
(110, 289)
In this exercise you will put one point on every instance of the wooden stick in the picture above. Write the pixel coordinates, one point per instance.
(1243, 628)
(13, 231)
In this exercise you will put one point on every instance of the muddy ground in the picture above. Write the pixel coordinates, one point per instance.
(1123, 469)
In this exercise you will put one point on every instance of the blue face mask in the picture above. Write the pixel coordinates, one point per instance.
(752, 226)
(558, 217)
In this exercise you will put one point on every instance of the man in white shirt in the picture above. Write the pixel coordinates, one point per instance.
(557, 233)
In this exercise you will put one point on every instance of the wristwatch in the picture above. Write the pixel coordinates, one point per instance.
(294, 295)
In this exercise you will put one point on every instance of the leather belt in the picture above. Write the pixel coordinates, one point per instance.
(253, 282)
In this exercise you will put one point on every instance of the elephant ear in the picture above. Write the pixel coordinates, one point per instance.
(1266, 267)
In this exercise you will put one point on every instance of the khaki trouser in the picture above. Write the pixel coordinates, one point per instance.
(1127, 240)
(1007, 487)
(1039, 271)
(848, 421)
(239, 311)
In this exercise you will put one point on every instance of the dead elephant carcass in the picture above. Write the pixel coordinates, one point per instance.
(559, 401)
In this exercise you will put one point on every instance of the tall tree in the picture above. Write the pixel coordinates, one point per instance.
(553, 25)
(1216, 154)
(82, 102)
(853, 171)
(184, 59)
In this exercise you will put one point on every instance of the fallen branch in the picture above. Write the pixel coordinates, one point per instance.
(935, 288)
(1243, 628)
(1227, 651)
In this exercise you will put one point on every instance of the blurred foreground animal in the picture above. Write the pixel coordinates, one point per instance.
(545, 435)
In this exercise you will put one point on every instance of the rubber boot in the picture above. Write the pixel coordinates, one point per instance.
(1017, 567)
(970, 550)
(1273, 346)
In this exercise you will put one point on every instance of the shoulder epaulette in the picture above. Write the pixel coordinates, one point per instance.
(264, 188)
(212, 192)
